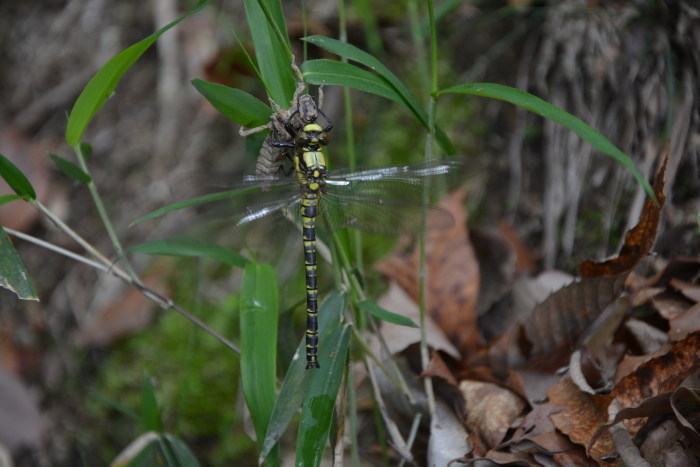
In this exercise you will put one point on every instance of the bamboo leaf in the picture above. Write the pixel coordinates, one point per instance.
(102, 85)
(188, 246)
(317, 414)
(16, 179)
(547, 110)
(237, 105)
(386, 315)
(70, 169)
(258, 321)
(13, 275)
(295, 384)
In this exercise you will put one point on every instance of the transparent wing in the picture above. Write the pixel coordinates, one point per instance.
(251, 211)
(389, 199)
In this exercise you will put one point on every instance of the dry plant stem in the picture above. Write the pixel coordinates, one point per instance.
(106, 265)
(352, 396)
(623, 441)
(368, 352)
(340, 410)
(412, 434)
(397, 439)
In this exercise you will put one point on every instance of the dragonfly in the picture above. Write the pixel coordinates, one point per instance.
(386, 200)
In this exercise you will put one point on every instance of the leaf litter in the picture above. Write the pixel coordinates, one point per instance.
(582, 376)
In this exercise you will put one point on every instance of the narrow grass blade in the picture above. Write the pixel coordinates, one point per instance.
(187, 246)
(16, 179)
(4, 199)
(360, 56)
(333, 72)
(273, 62)
(102, 85)
(385, 315)
(13, 275)
(294, 387)
(153, 450)
(239, 106)
(150, 415)
(317, 414)
(258, 319)
(70, 169)
(547, 110)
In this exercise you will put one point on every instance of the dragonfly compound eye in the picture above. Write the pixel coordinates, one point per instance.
(302, 138)
(324, 138)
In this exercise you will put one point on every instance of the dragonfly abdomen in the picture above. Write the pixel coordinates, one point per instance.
(308, 219)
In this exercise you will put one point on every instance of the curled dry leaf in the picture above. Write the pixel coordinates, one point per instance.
(490, 409)
(545, 341)
(660, 374)
(638, 240)
(452, 277)
(583, 415)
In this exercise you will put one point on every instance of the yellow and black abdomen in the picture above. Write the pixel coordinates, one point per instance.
(308, 218)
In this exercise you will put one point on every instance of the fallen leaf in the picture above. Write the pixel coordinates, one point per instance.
(685, 403)
(546, 339)
(452, 277)
(20, 419)
(629, 363)
(490, 409)
(638, 240)
(679, 456)
(689, 290)
(524, 259)
(684, 324)
(670, 304)
(538, 427)
(584, 415)
(659, 440)
(496, 266)
(660, 374)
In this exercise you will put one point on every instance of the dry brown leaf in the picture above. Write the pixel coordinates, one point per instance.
(685, 403)
(584, 415)
(638, 240)
(670, 304)
(659, 440)
(629, 363)
(545, 340)
(539, 428)
(684, 324)
(689, 290)
(490, 409)
(524, 259)
(437, 368)
(660, 374)
(452, 277)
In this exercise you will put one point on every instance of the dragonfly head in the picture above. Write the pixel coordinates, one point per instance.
(312, 137)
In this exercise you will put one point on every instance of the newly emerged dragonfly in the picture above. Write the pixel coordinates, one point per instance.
(385, 200)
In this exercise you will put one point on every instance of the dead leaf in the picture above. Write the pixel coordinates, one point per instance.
(584, 415)
(496, 266)
(659, 440)
(685, 403)
(660, 374)
(490, 409)
(539, 428)
(679, 456)
(20, 419)
(638, 240)
(452, 277)
(524, 259)
(689, 290)
(546, 339)
(670, 304)
(629, 363)
(684, 324)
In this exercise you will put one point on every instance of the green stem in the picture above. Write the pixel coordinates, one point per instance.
(104, 217)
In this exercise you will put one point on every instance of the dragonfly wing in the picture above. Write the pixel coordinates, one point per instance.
(389, 199)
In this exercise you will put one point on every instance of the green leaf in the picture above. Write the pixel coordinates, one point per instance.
(70, 169)
(273, 62)
(235, 104)
(188, 246)
(385, 315)
(150, 415)
(153, 450)
(195, 202)
(353, 53)
(16, 179)
(258, 321)
(13, 275)
(547, 110)
(333, 72)
(295, 384)
(317, 414)
(102, 85)
(4, 199)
